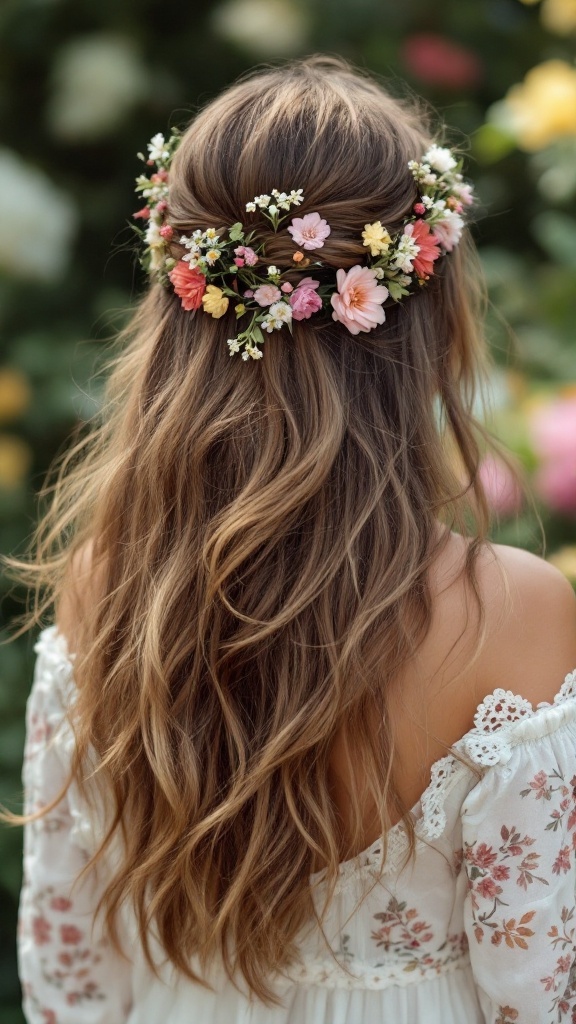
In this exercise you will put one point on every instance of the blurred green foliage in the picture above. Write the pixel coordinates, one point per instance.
(84, 84)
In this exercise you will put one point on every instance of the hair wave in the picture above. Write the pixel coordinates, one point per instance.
(261, 535)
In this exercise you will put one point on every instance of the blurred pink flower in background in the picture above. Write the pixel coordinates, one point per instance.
(440, 61)
(553, 431)
(503, 492)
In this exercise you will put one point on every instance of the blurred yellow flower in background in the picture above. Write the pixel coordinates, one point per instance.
(565, 560)
(15, 394)
(557, 15)
(15, 461)
(542, 108)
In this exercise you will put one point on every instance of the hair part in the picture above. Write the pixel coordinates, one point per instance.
(262, 535)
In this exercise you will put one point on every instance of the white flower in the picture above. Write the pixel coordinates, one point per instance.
(440, 159)
(281, 311)
(250, 207)
(427, 201)
(378, 273)
(440, 204)
(253, 351)
(233, 345)
(212, 255)
(245, 355)
(210, 235)
(157, 148)
(273, 271)
(272, 209)
(265, 28)
(97, 79)
(38, 221)
(152, 234)
(296, 197)
(448, 229)
(405, 254)
(262, 201)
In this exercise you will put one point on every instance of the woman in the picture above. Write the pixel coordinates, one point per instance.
(276, 768)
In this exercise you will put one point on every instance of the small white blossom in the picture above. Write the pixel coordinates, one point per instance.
(273, 271)
(281, 311)
(245, 355)
(210, 235)
(427, 201)
(212, 255)
(405, 254)
(157, 148)
(250, 207)
(440, 204)
(378, 273)
(440, 159)
(262, 201)
(296, 197)
(253, 351)
(233, 345)
(272, 209)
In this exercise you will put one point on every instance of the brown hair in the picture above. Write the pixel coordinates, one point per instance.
(262, 533)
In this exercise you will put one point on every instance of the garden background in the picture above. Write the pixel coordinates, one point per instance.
(84, 84)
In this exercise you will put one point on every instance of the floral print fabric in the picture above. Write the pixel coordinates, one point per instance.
(69, 972)
(481, 928)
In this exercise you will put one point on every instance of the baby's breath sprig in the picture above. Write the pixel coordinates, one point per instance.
(275, 206)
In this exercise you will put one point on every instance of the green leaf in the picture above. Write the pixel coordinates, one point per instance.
(236, 232)
(257, 335)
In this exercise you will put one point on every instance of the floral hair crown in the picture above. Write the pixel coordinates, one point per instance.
(216, 269)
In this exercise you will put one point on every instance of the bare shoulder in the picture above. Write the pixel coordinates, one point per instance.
(530, 623)
(79, 588)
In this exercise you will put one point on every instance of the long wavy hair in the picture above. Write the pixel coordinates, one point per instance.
(261, 534)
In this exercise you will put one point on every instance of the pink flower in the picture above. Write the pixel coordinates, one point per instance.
(167, 232)
(429, 252)
(448, 230)
(287, 287)
(419, 208)
(266, 294)
(437, 60)
(189, 285)
(248, 294)
(247, 254)
(358, 302)
(500, 872)
(488, 889)
(309, 231)
(464, 193)
(238, 261)
(60, 903)
(305, 300)
(41, 929)
(70, 934)
(555, 483)
(142, 214)
(553, 429)
(503, 493)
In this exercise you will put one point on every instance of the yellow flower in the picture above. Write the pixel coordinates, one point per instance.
(15, 394)
(565, 560)
(214, 301)
(240, 309)
(542, 108)
(377, 238)
(15, 461)
(559, 16)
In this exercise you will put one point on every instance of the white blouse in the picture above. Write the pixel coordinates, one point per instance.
(479, 929)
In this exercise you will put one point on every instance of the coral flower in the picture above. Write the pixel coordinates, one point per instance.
(189, 285)
(358, 302)
(309, 231)
(214, 301)
(420, 233)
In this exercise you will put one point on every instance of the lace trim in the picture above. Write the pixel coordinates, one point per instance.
(490, 742)
(329, 974)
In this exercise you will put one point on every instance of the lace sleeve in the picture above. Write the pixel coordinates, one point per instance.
(68, 970)
(519, 831)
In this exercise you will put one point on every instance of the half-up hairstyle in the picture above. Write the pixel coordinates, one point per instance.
(261, 534)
